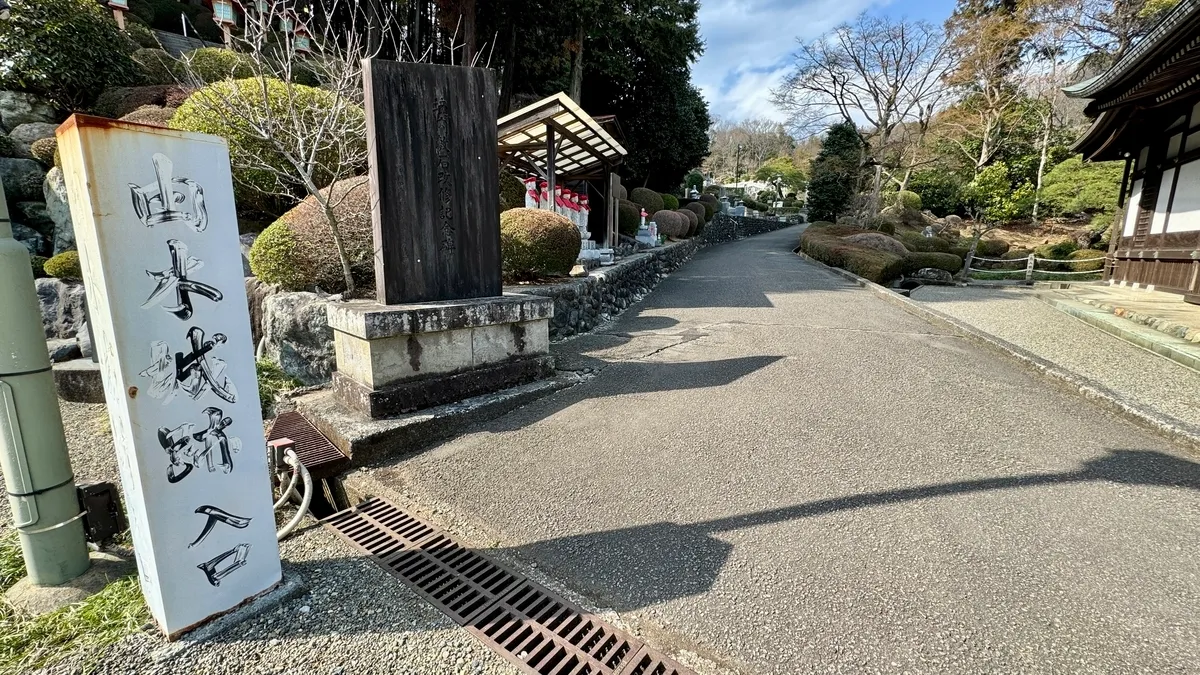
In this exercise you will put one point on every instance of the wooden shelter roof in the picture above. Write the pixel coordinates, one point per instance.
(1128, 99)
(583, 149)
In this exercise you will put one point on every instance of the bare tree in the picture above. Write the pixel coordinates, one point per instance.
(1104, 28)
(876, 72)
(760, 140)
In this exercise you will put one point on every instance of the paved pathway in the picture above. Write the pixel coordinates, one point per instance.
(793, 475)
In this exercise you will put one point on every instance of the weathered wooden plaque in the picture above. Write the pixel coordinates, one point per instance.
(431, 136)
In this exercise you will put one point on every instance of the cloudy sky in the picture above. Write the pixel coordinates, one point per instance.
(749, 44)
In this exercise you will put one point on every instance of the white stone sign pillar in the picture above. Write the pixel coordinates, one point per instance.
(158, 240)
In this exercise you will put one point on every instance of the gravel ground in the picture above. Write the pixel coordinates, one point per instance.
(355, 619)
(1020, 318)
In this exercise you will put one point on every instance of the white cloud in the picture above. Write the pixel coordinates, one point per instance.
(748, 45)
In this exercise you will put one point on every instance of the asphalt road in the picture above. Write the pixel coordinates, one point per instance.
(792, 475)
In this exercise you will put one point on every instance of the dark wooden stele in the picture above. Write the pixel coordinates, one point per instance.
(431, 138)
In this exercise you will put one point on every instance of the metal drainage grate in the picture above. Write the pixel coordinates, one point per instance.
(317, 453)
(526, 623)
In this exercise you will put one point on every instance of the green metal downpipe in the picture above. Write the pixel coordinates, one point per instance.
(33, 449)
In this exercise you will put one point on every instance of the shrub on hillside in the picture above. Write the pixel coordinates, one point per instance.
(213, 64)
(693, 222)
(297, 250)
(117, 102)
(536, 243)
(1075, 186)
(156, 65)
(647, 199)
(880, 267)
(670, 201)
(877, 241)
(906, 199)
(701, 211)
(65, 51)
(154, 115)
(941, 261)
(629, 218)
(512, 191)
(1087, 260)
(919, 242)
(65, 265)
(203, 111)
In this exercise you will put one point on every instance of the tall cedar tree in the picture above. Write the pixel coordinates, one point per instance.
(834, 173)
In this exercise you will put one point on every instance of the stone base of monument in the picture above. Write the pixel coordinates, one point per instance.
(394, 359)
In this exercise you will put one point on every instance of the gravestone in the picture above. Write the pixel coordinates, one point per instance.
(158, 242)
(431, 137)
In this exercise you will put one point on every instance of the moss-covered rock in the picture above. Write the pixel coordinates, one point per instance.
(670, 201)
(647, 199)
(629, 218)
(298, 253)
(536, 243)
(65, 265)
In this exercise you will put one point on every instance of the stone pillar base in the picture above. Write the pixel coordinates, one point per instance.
(394, 359)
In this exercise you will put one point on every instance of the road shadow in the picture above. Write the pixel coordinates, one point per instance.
(632, 568)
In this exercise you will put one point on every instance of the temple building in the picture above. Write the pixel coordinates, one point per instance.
(1146, 111)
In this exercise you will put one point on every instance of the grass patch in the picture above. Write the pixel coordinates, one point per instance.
(271, 381)
(87, 628)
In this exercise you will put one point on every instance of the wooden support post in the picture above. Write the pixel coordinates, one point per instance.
(551, 148)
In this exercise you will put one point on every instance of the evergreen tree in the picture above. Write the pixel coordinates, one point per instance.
(835, 172)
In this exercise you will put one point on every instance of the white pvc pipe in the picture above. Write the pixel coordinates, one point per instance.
(291, 458)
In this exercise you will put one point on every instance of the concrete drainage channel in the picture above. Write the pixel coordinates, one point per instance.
(524, 622)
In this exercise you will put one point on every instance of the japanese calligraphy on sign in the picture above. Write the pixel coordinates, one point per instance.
(157, 231)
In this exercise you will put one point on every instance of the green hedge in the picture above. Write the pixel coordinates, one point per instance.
(647, 199)
(536, 243)
(1088, 260)
(878, 266)
(942, 261)
(920, 243)
(670, 201)
(629, 218)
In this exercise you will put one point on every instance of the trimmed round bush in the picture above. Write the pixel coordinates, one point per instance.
(916, 241)
(213, 64)
(877, 241)
(154, 115)
(1059, 250)
(536, 243)
(45, 150)
(991, 248)
(710, 199)
(204, 111)
(693, 221)
(65, 51)
(65, 265)
(156, 65)
(117, 102)
(942, 261)
(709, 211)
(39, 266)
(297, 250)
(1087, 260)
(907, 200)
(621, 192)
(670, 201)
(629, 218)
(700, 210)
(670, 224)
(647, 199)
(512, 191)
(1016, 254)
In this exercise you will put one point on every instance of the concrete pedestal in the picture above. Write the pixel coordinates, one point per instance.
(394, 359)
